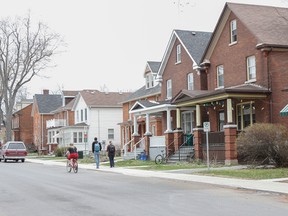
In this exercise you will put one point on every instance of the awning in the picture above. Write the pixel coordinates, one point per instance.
(284, 111)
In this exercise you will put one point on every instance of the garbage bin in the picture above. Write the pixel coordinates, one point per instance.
(80, 154)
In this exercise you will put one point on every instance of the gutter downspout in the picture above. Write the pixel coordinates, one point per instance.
(269, 80)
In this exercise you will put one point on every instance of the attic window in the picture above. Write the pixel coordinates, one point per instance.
(149, 80)
(178, 54)
(233, 31)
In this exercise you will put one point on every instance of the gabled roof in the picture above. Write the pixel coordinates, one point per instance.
(268, 24)
(194, 42)
(143, 93)
(202, 96)
(66, 107)
(95, 98)
(153, 66)
(47, 102)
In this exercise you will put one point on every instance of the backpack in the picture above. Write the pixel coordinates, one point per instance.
(97, 147)
(112, 149)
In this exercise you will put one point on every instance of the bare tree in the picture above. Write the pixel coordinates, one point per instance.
(25, 50)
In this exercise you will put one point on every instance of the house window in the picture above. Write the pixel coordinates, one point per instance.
(221, 120)
(81, 115)
(110, 133)
(86, 116)
(80, 137)
(149, 80)
(251, 68)
(220, 76)
(75, 137)
(233, 31)
(169, 89)
(187, 122)
(245, 115)
(153, 130)
(178, 53)
(190, 81)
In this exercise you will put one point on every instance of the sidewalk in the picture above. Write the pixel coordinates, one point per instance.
(270, 185)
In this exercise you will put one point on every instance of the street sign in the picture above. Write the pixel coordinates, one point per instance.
(206, 126)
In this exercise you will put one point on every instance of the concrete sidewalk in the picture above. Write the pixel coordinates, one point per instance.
(270, 185)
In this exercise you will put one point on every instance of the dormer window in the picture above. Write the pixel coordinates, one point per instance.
(178, 54)
(233, 31)
(149, 80)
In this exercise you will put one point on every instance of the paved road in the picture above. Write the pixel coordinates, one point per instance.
(39, 189)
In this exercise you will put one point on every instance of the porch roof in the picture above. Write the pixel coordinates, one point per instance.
(145, 106)
(245, 91)
(284, 111)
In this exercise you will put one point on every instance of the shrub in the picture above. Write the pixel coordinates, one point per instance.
(263, 144)
(60, 152)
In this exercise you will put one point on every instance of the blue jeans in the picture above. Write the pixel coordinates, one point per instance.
(97, 158)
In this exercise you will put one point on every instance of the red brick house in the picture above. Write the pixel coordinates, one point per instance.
(247, 74)
(178, 70)
(22, 125)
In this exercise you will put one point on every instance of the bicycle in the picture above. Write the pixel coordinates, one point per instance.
(72, 164)
(160, 158)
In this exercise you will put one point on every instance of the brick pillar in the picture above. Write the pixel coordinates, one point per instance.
(136, 140)
(147, 143)
(230, 144)
(178, 139)
(169, 138)
(197, 132)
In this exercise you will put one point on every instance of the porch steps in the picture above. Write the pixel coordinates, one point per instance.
(130, 155)
(185, 153)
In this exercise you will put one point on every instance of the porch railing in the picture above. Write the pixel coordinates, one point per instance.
(126, 145)
(135, 149)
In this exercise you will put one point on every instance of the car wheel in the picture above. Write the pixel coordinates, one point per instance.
(5, 160)
(23, 160)
(16, 160)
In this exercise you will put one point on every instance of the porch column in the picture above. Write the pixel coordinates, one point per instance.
(135, 126)
(197, 132)
(169, 140)
(178, 139)
(198, 116)
(178, 117)
(147, 144)
(229, 111)
(230, 144)
(148, 125)
(168, 119)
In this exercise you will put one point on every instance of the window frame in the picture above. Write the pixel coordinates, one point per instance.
(178, 54)
(190, 81)
(220, 76)
(169, 89)
(240, 113)
(111, 135)
(251, 76)
(233, 31)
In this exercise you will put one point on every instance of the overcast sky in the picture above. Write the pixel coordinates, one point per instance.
(110, 41)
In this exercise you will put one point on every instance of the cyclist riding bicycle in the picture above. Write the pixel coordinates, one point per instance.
(72, 153)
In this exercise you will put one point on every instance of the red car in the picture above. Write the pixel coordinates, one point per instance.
(13, 150)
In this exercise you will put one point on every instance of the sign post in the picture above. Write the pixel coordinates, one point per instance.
(206, 127)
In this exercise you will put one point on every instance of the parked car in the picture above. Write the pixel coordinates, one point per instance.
(13, 150)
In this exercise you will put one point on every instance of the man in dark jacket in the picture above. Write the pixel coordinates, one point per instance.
(111, 153)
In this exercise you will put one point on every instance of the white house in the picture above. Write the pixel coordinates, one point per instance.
(97, 114)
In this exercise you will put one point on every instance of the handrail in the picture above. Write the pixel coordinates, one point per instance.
(125, 146)
(135, 152)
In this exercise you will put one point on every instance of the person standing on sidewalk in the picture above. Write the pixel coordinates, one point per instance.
(111, 153)
(96, 148)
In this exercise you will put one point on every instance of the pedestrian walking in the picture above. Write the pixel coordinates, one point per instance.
(96, 148)
(111, 153)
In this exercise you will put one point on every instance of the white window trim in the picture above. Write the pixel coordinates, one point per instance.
(217, 69)
(169, 89)
(248, 68)
(178, 54)
(190, 82)
(231, 32)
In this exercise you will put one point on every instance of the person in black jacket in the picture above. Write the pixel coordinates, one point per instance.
(111, 153)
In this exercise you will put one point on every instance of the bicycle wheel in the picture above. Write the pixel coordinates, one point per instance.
(75, 167)
(159, 159)
(68, 166)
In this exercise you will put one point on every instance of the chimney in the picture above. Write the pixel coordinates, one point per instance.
(46, 91)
